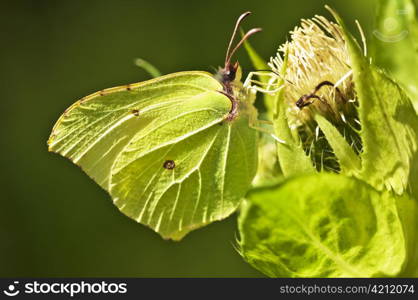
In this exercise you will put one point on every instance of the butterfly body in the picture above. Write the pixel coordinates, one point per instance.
(175, 153)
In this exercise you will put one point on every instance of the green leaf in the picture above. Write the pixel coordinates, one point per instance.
(322, 225)
(408, 213)
(349, 161)
(395, 43)
(268, 170)
(258, 62)
(292, 158)
(268, 166)
(389, 124)
(163, 150)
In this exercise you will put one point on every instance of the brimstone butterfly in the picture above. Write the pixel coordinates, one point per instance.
(175, 152)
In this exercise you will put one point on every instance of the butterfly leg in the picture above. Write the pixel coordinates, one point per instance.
(260, 86)
(270, 86)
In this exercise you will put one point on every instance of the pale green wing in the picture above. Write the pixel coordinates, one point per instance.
(94, 130)
(163, 150)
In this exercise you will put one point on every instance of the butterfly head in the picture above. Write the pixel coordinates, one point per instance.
(231, 72)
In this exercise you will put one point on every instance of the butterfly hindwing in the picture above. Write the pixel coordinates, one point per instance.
(163, 150)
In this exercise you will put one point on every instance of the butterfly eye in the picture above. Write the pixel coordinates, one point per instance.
(169, 164)
(229, 74)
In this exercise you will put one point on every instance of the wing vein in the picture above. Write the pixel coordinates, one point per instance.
(184, 177)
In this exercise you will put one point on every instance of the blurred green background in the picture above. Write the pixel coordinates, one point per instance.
(54, 220)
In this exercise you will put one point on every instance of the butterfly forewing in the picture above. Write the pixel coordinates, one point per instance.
(94, 130)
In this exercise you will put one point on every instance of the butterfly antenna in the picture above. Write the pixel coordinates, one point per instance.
(237, 24)
(244, 38)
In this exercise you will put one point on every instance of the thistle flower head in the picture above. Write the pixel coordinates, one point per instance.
(318, 80)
